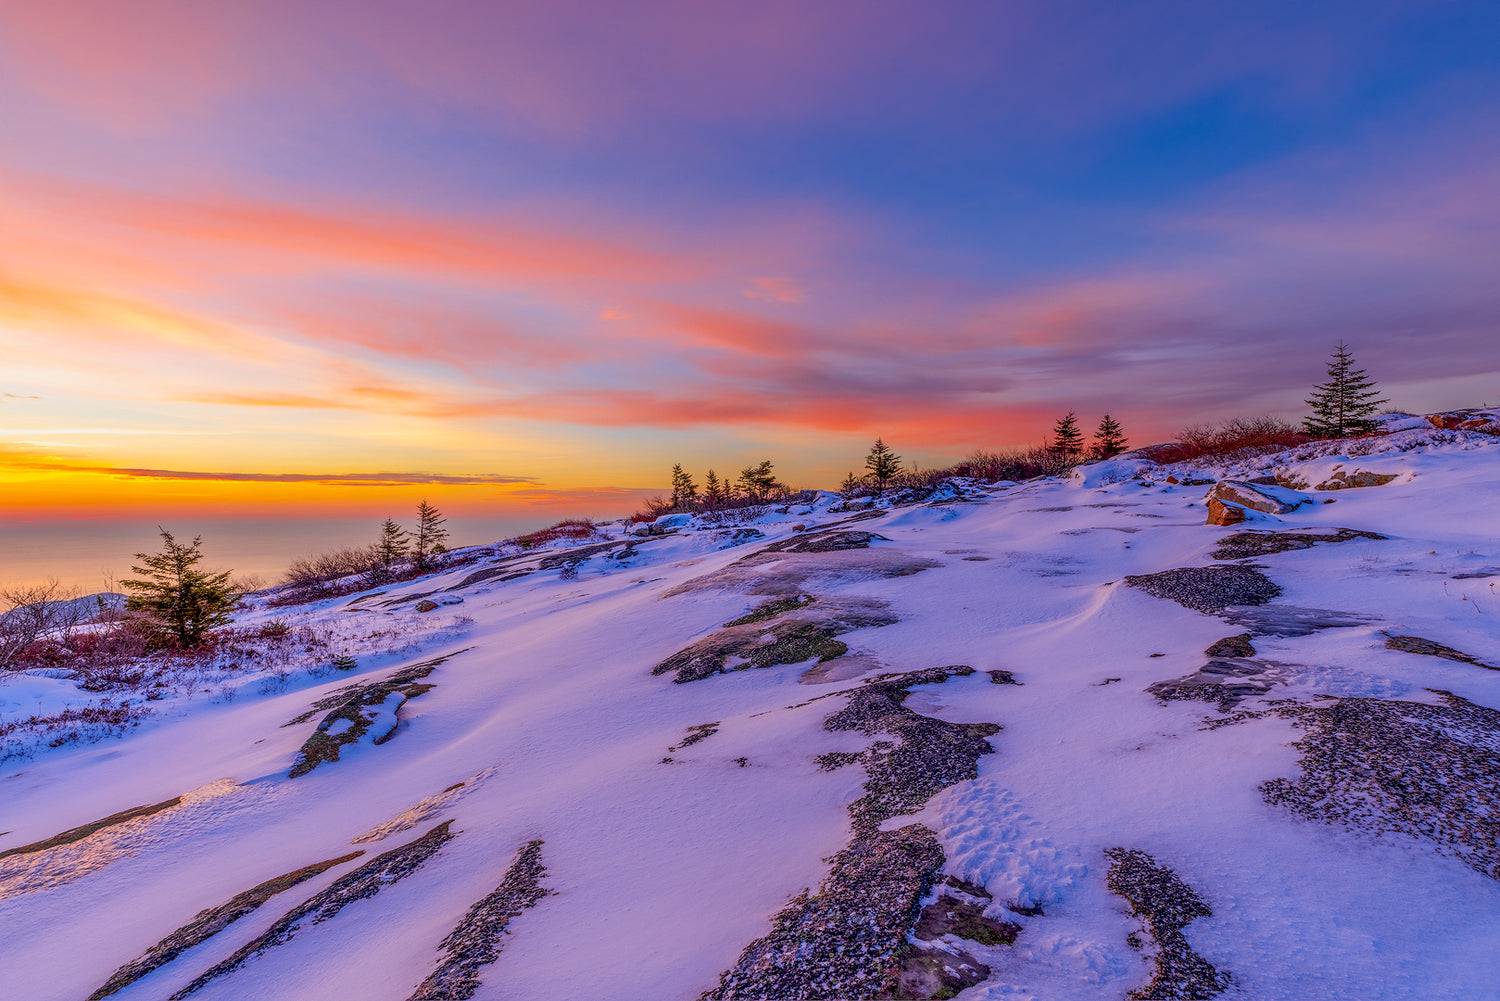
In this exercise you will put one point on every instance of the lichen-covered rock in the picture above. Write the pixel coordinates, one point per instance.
(1167, 905)
(1208, 589)
(1258, 497)
(1220, 513)
(1347, 479)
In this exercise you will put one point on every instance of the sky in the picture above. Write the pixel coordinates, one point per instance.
(276, 259)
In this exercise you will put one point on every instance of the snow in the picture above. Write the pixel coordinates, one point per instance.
(548, 715)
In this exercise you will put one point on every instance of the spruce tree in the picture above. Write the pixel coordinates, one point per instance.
(1109, 439)
(1067, 440)
(714, 490)
(684, 490)
(390, 550)
(430, 535)
(180, 602)
(1345, 404)
(882, 464)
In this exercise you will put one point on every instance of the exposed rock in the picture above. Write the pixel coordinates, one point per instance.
(1232, 646)
(426, 605)
(1220, 513)
(209, 923)
(849, 940)
(369, 879)
(355, 710)
(1242, 545)
(1416, 644)
(779, 638)
(1376, 766)
(76, 834)
(934, 966)
(1258, 497)
(1221, 681)
(1208, 589)
(767, 610)
(1346, 479)
(1167, 905)
(476, 940)
(824, 542)
(1290, 620)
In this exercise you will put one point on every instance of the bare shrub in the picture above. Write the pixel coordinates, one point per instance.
(1021, 464)
(315, 571)
(40, 612)
(569, 529)
(1232, 438)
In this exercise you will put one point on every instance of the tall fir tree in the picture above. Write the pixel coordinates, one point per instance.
(429, 537)
(882, 464)
(715, 491)
(1109, 439)
(684, 490)
(180, 602)
(1066, 438)
(390, 550)
(1346, 403)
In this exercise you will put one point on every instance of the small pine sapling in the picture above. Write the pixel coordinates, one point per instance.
(428, 540)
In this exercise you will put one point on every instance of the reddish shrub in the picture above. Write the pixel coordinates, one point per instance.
(1230, 438)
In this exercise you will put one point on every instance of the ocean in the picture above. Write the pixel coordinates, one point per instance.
(90, 553)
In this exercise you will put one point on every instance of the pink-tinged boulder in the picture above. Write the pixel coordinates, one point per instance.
(1344, 479)
(1258, 497)
(1220, 513)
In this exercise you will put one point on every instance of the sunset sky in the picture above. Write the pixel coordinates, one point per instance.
(272, 256)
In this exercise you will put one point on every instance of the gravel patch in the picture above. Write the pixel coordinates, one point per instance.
(369, 879)
(1378, 766)
(1167, 905)
(209, 923)
(475, 942)
(1208, 589)
(849, 940)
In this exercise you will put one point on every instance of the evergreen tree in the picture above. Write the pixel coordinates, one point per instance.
(882, 464)
(430, 535)
(758, 481)
(850, 486)
(684, 490)
(179, 601)
(714, 490)
(1345, 404)
(390, 550)
(1109, 439)
(1067, 440)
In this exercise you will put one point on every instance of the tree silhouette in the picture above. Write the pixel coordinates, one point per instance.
(882, 464)
(1109, 439)
(430, 535)
(1066, 438)
(1345, 404)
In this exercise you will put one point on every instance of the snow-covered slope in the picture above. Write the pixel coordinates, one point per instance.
(991, 724)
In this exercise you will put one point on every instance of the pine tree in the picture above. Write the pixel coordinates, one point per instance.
(850, 486)
(882, 464)
(714, 490)
(684, 490)
(758, 481)
(429, 537)
(179, 601)
(1345, 403)
(1109, 439)
(1067, 440)
(390, 550)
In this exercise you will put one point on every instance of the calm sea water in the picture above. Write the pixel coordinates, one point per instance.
(87, 553)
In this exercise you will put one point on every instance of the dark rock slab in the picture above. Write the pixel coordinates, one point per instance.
(1428, 648)
(824, 542)
(1292, 620)
(1241, 545)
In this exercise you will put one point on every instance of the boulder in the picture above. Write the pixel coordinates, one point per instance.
(1220, 513)
(1258, 496)
(426, 605)
(1344, 479)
